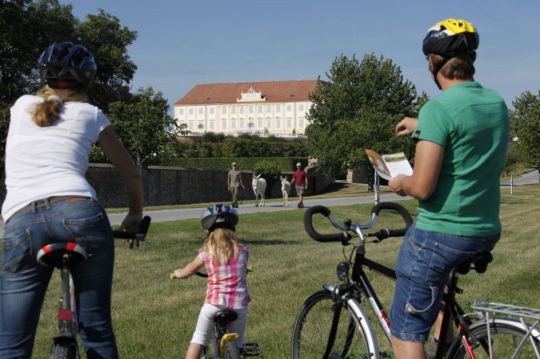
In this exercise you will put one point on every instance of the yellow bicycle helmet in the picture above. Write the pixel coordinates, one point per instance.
(451, 37)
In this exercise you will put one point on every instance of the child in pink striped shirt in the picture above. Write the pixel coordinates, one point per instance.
(225, 261)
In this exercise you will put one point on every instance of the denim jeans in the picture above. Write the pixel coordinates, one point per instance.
(422, 269)
(23, 281)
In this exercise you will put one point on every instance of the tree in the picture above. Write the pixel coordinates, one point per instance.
(27, 27)
(358, 108)
(525, 124)
(108, 40)
(144, 124)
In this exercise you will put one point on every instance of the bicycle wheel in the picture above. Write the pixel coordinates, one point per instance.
(505, 340)
(312, 330)
(231, 351)
(63, 349)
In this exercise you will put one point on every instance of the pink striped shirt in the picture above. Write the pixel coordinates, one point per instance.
(227, 285)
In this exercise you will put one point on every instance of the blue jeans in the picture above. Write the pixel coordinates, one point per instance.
(423, 267)
(23, 281)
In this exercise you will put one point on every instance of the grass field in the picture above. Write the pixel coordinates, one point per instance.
(154, 317)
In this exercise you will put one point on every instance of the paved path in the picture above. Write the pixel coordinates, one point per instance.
(189, 213)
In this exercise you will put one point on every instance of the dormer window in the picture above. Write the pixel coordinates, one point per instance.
(251, 95)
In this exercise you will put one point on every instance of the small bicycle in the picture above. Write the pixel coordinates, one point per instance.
(224, 342)
(333, 323)
(64, 256)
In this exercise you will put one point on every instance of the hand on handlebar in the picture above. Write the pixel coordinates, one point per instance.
(131, 223)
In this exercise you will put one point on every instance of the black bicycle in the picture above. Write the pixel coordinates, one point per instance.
(333, 323)
(64, 256)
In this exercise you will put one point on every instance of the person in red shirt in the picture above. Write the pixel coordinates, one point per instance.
(300, 182)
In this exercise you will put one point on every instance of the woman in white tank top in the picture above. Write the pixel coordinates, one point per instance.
(49, 200)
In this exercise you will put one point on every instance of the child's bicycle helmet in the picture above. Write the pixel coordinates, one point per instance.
(67, 65)
(451, 37)
(219, 216)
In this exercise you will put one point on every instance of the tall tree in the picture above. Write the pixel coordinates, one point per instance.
(525, 124)
(358, 107)
(108, 40)
(144, 124)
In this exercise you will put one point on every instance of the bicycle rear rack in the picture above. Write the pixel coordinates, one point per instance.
(529, 318)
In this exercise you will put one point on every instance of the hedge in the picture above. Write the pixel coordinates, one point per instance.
(285, 164)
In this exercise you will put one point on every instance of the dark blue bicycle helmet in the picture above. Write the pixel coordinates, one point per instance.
(219, 216)
(67, 65)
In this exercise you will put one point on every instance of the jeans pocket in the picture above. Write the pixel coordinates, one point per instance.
(17, 249)
(422, 301)
(93, 232)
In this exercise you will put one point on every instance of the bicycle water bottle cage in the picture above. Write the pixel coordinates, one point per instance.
(61, 254)
(479, 262)
(225, 316)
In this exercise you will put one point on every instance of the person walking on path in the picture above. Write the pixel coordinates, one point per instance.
(461, 142)
(49, 200)
(300, 182)
(234, 180)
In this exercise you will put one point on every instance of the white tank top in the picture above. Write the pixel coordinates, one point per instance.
(41, 162)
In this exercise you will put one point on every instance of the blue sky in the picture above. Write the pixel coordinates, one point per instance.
(183, 43)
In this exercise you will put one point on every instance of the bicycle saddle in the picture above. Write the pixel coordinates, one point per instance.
(54, 254)
(225, 316)
(479, 262)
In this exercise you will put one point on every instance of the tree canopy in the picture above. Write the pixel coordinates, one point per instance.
(525, 124)
(358, 107)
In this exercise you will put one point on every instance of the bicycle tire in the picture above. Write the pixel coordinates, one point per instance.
(312, 331)
(505, 338)
(63, 350)
(230, 351)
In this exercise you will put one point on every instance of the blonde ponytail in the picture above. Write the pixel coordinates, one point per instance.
(48, 112)
(221, 245)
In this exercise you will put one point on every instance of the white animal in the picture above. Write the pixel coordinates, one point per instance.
(285, 189)
(259, 187)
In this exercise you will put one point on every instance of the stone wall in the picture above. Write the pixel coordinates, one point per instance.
(174, 185)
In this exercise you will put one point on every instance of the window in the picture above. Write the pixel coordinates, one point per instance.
(233, 109)
(201, 110)
(268, 122)
(259, 109)
(278, 123)
(251, 125)
(191, 111)
(233, 123)
(268, 108)
(301, 122)
(278, 107)
(191, 125)
(289, 122)
(289, 107)
(301, 107)
(181, 111)
(241, 123)
(241, 109)
(224, 110)
(223, 124)
(259, 123)
(250, 108)
(211, 124)
(211, 110)
(200, 125)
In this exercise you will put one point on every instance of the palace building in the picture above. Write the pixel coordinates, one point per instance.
(276, 108)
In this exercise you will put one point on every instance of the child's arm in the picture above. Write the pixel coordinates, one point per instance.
(189, 269)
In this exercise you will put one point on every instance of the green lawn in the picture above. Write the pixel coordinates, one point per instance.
(154, 317)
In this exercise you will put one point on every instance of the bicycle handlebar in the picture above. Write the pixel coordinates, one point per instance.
(138, 236)
(345, 236)
(385, 233)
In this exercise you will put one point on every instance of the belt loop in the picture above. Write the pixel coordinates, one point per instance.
(34, 207)
(47, 203)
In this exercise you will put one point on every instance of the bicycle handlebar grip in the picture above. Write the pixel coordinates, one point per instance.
(140, 235)
(310, 230)
(385, 233)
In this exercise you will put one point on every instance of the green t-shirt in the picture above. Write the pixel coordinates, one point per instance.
(471, 123)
